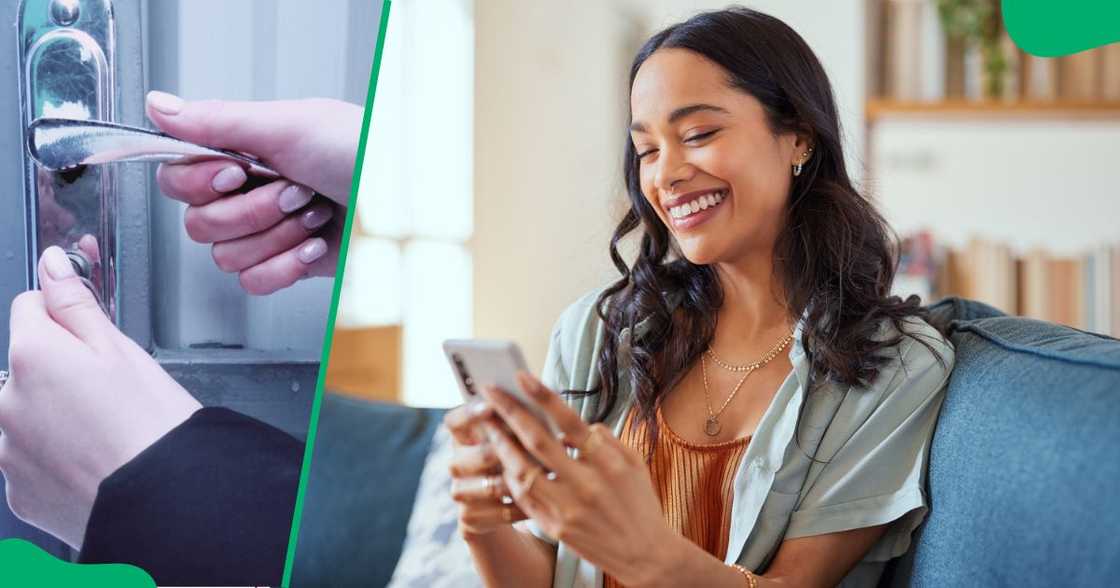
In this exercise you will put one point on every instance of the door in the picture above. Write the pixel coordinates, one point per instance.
(257, 355)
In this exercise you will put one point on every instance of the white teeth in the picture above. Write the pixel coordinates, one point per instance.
(702, 203)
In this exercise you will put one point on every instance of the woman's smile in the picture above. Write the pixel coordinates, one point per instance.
(687, 211)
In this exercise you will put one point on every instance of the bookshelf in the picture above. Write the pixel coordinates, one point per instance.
(881, 108)
(1006, 198)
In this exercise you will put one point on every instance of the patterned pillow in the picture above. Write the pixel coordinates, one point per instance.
(435, 555)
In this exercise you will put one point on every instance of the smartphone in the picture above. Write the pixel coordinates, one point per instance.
(479, 363)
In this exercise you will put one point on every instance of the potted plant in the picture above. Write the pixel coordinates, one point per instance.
(974, 23)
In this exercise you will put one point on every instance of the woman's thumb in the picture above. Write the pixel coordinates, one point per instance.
(69, 302)
(250, 127)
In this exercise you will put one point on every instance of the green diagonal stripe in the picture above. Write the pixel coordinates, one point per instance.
(1052, 28)
(313, 427)
(25, 565)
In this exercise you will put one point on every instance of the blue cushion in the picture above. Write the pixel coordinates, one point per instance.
(1024, 463)
(364, 474)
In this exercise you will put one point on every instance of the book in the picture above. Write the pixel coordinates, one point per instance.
(1114, 294)
(1066, 294)
(1034, 299)
(1110, 72)
(1080, 76)
(1101, 258)
(904, 48)
(992, 275)
(1088, 293)
(1040, 78)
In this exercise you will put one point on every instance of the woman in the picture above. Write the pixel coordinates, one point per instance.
(762, 406)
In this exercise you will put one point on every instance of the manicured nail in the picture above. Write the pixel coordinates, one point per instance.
(316, 217)
(57, 264)
(479, 409)
(230, 178)
(311, 251)
(165, 103)
(294, 197)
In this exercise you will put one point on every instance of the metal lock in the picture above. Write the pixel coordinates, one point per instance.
(67, 64)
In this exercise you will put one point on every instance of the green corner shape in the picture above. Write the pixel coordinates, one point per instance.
(23, 564)
(1053, 28)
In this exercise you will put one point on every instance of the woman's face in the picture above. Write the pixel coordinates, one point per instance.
(709, 164)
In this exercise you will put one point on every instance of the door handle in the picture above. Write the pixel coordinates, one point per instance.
(60, 144)
(67, 60)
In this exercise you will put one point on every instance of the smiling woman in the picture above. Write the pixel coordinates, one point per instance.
(762, 405)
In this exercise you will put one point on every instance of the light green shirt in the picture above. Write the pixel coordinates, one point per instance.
(870, 446)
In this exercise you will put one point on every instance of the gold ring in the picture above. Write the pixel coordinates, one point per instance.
(494, 484)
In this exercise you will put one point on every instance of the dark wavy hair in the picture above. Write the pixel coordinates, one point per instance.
(834, 256)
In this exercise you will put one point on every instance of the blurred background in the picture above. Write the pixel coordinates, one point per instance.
(492, 178)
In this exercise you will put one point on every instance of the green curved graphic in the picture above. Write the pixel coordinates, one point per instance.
(23, 564)
(1052, 28)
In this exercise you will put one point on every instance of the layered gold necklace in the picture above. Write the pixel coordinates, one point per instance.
(711, 424)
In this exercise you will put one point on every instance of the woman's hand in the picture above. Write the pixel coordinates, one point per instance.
(602, 504)
(476, 480)
(271, 233)
(82, 401)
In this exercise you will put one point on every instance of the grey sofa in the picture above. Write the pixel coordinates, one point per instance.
(1024, 467)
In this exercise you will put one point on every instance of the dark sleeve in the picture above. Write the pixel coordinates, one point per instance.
(209, 503)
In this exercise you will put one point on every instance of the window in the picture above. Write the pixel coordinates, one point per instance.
(409, 262)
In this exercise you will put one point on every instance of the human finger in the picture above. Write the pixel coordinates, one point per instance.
(524, 475)
(484, 518)
(479, 489)
(474, 460)
(280, 271)
(531, 433)
(572, 428)
(200, 183)
(462, 421)
(245, 214)
(70, 303)
(236, 255)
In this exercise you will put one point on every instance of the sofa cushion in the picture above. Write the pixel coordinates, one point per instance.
(1023, 464)
(364, 473)
(435, 554)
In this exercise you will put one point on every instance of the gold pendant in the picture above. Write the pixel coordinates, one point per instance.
(711, 426)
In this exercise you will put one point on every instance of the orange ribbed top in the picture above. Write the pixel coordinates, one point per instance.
(694, 482)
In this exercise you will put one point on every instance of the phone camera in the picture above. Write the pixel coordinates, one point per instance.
(464, 376)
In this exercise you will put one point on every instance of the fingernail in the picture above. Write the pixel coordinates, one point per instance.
(165, 103)
(317, 217)
(230, 178)
(312, 250)
(491, 435)
(480, 409)
(293, 198)
(57, 264)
